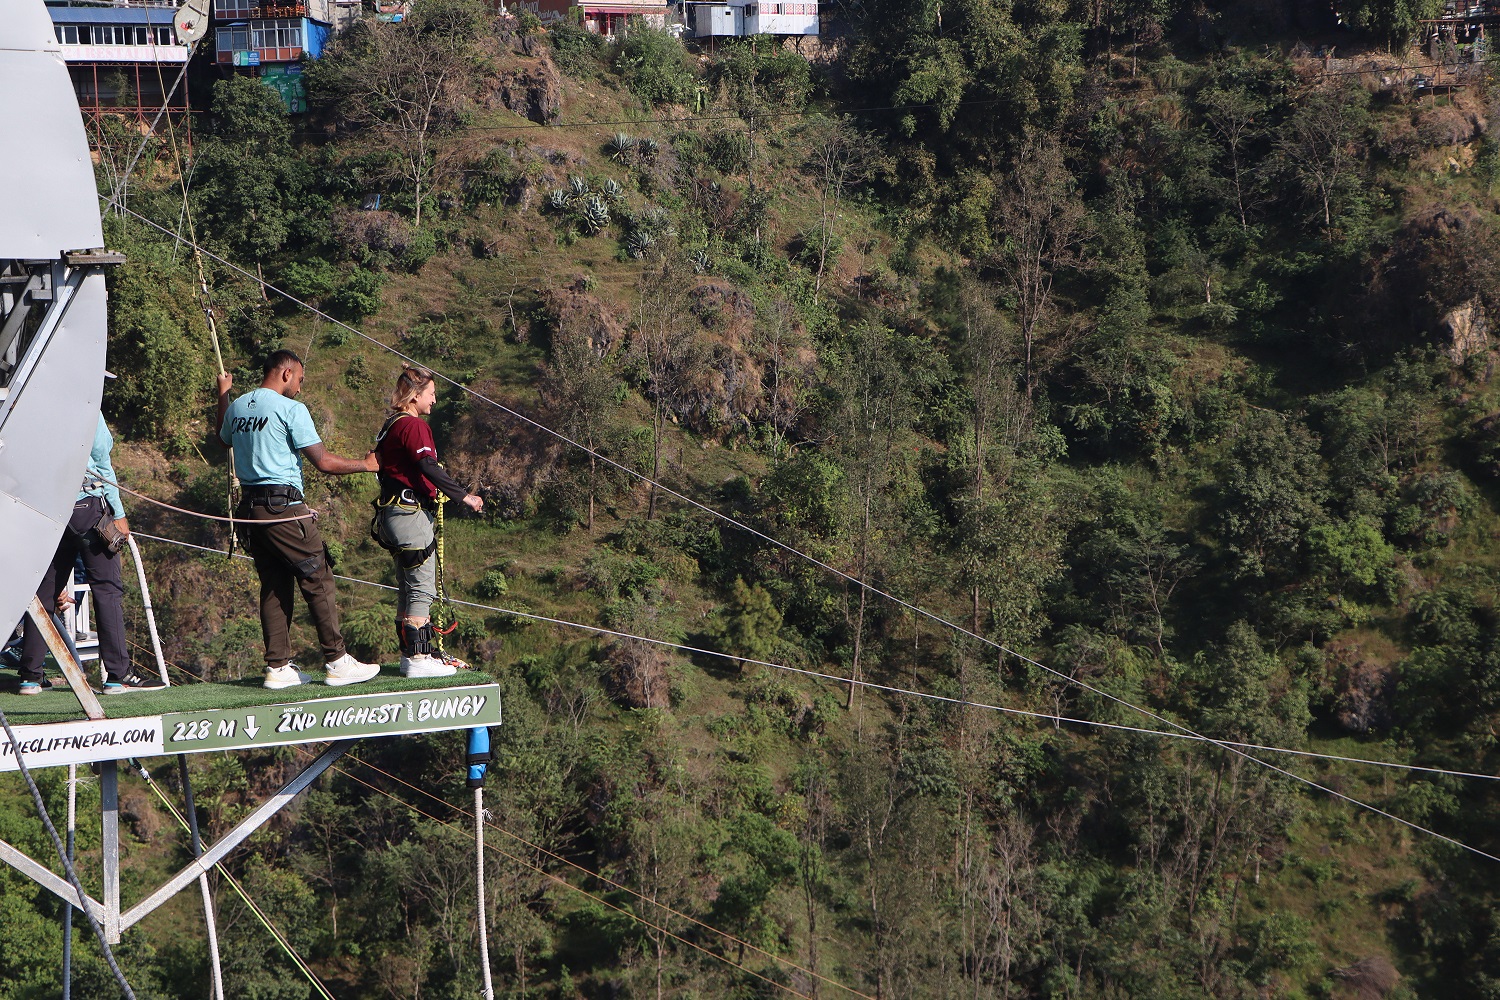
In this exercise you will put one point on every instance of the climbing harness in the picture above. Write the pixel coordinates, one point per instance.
(425, 639)
(444, 618)
(405, 498)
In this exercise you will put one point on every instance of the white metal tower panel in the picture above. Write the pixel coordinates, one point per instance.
(50, 204)
(48, 207)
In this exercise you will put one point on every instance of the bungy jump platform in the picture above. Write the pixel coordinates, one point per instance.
(53, 731)
(53, 334)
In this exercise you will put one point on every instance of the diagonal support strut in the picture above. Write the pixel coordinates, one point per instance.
(232, 839)
(108, 913)
(45, 878)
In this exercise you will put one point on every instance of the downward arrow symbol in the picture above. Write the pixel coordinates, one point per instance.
(250, 727)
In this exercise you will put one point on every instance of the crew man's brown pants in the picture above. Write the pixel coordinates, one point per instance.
(288, 555)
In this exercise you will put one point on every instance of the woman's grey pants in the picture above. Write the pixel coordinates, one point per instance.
(410, 529)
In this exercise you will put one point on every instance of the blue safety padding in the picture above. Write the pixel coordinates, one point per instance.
(479, 755)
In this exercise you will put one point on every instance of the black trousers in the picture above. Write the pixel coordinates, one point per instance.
(290, 555)
(102, 568)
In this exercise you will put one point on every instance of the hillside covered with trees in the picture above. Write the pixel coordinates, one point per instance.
(1137, 356)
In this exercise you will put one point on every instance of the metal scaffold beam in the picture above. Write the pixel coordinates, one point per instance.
(109, 912)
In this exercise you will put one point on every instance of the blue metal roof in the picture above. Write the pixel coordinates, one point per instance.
(110, 15)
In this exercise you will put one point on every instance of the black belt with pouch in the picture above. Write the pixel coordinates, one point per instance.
(276, 496)
(112, 537)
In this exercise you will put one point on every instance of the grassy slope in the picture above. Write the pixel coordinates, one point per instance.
(1340, 867)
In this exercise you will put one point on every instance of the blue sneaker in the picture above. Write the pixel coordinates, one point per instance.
(32, 687)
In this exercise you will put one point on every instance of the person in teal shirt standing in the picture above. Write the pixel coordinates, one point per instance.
(98, 503)
(269, 432)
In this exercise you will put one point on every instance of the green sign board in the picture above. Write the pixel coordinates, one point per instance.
(286, 81)
(322, 719)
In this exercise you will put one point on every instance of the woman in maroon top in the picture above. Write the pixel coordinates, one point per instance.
(410, 478)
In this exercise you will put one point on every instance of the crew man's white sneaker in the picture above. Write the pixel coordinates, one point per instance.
(347, 670)
(285, 676)
(426, 665)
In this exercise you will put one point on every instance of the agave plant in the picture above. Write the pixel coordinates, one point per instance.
(620, 147)
(595, 213)
(639, 243)
(646, 148)
(654, 219)
(558, 199)
(701, 262)
(578, 186)
(612, 190)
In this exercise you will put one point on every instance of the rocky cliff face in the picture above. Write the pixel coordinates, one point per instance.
(531, 87)
(1466, 332)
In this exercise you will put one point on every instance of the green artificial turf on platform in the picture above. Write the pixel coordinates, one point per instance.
(59, 704)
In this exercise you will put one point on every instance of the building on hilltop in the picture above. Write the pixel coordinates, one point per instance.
(270, 39)
(604, 18)
(739, 18)
(122, 60)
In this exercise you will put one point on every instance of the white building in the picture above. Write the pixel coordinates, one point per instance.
(738, 18)
(121, 59)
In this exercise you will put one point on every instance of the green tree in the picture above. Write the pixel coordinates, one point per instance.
(840, 157)
(1039, 230)
(246, 176)
(158, 339)
(1322, 146)
(1272, 491)
(875, 408)
(1236, 117)
(664, 339)
(751, 624)
(1353, 555)
(761, 858)
(403, 86)
(789, 369)
(1392, 21)
(579, 385)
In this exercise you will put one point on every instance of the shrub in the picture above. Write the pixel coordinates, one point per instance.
(157, 338)
(728, 151)
(490, 181)
(432, 340)
(360, 296)
(369, 632)
(310, 279)
(577, 51)
(357, 374)
(419, 251)
(492, 585)
(654, 65)
(364, 236)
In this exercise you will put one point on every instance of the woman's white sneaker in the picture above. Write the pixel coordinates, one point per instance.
(285, 676)
(425, 665)
(347, 670)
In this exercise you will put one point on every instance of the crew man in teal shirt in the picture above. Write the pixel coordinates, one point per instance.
(269, 432)
(98, 503)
